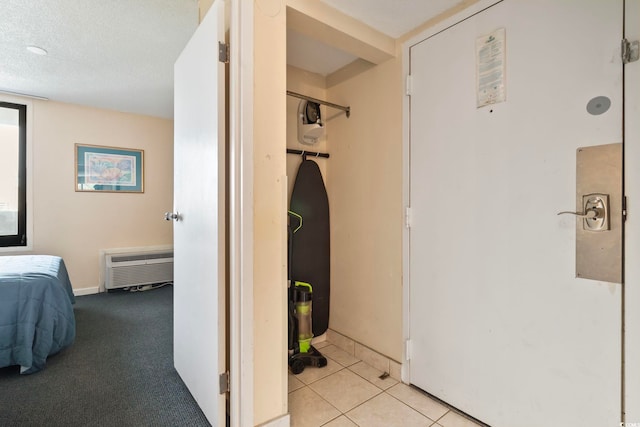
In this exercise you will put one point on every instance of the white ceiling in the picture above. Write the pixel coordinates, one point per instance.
(391, 17)
(114, 54)
(312, 55)
(119, 54)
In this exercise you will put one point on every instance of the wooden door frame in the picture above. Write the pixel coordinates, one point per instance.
(240, 187)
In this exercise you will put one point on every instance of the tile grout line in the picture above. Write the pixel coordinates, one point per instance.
(380, 391)
(412, 408)
(342, 367)
(443, 415)
(377, 394)
(360, 404)
(328, 375)
(383, 389)
(335, 418)
(329, 403)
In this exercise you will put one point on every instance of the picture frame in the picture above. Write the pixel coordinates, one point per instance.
(109, 169)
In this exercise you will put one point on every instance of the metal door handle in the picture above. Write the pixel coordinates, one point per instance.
(591, 213)
(596, 212)
(168, 216)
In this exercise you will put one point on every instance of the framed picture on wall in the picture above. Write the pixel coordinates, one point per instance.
(109, 169)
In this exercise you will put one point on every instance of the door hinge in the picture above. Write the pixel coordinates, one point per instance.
(407, 217)
(624, 208)
(224, 383)
(223, 52)
(408, 85)
(407, 350)
(630, 51)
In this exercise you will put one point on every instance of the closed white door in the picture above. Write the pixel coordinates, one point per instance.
(500, 327)
(199, 229)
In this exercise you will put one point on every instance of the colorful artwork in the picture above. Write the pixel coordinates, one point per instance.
(112, 169)
(109, 169)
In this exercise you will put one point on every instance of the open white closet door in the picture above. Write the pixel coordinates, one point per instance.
(500, 326)
(199, 213)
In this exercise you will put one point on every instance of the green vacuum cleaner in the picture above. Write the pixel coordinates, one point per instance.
(301, 352)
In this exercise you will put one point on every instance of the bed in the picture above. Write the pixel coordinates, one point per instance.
(36, 312)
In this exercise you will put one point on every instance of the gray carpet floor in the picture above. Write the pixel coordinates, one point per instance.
(119, 371)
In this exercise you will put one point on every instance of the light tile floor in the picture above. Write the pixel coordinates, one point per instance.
(349, 393)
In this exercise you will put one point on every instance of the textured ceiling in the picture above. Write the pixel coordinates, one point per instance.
(119, 54)
(115, 54)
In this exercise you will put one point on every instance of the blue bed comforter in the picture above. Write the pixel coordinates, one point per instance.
(36, 313)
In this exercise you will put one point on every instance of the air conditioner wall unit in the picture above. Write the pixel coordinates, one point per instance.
(138, 268)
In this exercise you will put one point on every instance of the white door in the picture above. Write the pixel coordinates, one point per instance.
(499, 325)
(199, 202)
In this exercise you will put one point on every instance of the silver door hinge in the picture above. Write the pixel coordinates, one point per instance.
(223, 52)
(630, 51)
(408, 85)
(225, 387)
(624, 208)
(407, 217)
(407, 350)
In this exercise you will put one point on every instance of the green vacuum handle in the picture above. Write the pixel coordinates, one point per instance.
(305, 284)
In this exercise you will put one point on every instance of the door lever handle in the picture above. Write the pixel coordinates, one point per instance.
(596, 212)
(590, 213)
(168, 216)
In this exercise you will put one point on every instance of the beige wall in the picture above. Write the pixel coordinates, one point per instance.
(77, 225)
(364, 176)
(364, 183)
(203, 8)
(270, 236)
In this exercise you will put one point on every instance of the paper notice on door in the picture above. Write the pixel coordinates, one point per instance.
(490, 68)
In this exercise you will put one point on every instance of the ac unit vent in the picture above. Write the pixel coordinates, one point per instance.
(140, 257)
(139, 268)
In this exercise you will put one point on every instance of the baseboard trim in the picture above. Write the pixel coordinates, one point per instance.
(366, 354)
(282, 421)
(86, 291)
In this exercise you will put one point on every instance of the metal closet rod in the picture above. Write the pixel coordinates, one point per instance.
(347, 110)
(307, 153)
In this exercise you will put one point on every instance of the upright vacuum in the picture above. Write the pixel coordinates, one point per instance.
(301, 352)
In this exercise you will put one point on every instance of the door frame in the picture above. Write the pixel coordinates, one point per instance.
(631, 238)
(240, 225)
